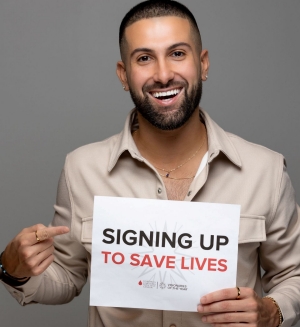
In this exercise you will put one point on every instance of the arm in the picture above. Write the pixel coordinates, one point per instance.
(279, 255)
(64, 278)
(279, 258)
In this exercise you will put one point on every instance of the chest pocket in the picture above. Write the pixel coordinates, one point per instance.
(251, 234)
(252, 229)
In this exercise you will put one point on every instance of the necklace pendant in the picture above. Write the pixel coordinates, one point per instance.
(167, 175)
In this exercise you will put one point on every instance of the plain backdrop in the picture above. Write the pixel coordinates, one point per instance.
(59, 90)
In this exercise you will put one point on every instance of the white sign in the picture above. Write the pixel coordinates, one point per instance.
(163, 255)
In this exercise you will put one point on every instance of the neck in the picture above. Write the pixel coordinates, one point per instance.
(170, 148)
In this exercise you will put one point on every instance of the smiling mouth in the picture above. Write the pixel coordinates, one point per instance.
(166, 95)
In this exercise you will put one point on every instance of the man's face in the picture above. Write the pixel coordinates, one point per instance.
(163, 70)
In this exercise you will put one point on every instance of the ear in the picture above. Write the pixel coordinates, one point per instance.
(121, 72)
(204, 58)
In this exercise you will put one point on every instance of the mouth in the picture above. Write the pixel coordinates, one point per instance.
(165, 95)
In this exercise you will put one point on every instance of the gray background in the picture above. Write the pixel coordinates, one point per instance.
(58, 91)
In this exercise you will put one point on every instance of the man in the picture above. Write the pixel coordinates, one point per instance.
(169, 149)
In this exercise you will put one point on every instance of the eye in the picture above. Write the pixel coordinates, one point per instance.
(178, 54)
(143, 59)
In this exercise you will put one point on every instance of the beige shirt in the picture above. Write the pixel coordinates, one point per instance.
(237, 172)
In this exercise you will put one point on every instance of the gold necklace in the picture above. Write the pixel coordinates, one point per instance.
(167, 175)
(177, 179)
(171, 170)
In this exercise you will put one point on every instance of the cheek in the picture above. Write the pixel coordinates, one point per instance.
(190, 71)
(138, 78)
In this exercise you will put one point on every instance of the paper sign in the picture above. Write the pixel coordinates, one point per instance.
(158, 254)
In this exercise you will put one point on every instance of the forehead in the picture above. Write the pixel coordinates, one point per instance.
(158, 32)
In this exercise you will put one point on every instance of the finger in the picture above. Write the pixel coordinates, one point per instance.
(33, 228)
(45, 264)
(232, 318)
(35, 265)
(221, 295)
(45, 259)
(225, 306)
(32, 251)
(48, 232)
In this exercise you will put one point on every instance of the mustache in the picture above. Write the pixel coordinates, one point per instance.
(158, 85)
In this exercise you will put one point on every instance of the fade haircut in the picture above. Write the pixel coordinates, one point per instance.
(157, 8)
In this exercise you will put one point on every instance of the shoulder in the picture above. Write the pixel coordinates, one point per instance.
(254, 153)
(97, 153)
(239, 150)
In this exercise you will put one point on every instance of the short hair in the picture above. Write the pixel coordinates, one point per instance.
(157, 8)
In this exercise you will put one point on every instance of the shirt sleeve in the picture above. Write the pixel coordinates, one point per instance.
(279, 255)
(66, 276)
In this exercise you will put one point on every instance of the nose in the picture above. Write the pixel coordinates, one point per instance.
(163, 72)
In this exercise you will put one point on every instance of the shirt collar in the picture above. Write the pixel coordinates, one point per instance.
(218, 141)
(125, 142)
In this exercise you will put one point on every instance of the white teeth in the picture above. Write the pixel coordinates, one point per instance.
(164, 94)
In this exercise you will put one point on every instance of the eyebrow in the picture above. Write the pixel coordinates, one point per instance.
(171, 47)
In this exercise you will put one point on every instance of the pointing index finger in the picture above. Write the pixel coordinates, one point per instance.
(48, 232)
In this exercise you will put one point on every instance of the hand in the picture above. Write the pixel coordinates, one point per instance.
(25, 256)
(222, 308)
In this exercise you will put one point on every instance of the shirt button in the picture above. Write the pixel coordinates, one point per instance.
(190, 192)
(159, 191)
(172, 325)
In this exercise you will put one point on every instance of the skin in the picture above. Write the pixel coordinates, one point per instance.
(160, 51)
(25, 257)
(221, 308)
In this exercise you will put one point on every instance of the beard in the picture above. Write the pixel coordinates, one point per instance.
(160, 117)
